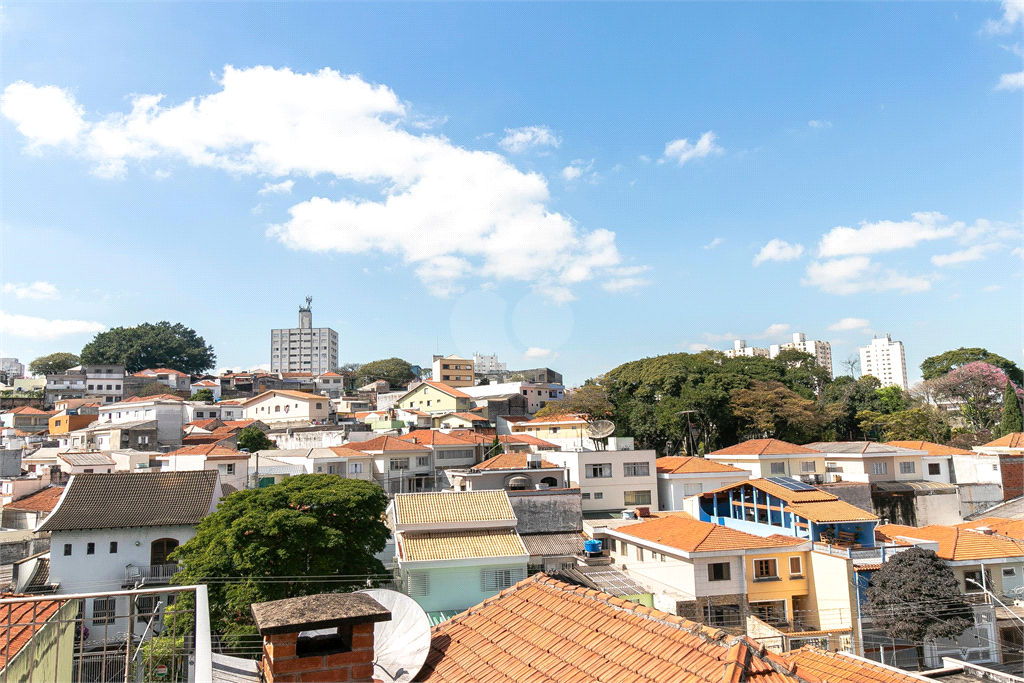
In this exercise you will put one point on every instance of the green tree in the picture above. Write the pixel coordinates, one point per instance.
(843, 399)
(253, 439)
(803, 374)
(53, 364)
(312, 533)
(162, 345)
(892, 398)
(395, 371)
(591, 399)
(154, 388)
(204, 395)
(937, 366)
(915, 596)
(1012, 420)
(923, 423)
(770, 410)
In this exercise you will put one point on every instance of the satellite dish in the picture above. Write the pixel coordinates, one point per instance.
(600, 429)
(400, 646)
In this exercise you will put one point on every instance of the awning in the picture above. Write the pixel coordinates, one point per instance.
(919, 488)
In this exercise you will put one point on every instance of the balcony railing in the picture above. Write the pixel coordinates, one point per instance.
(152, 575)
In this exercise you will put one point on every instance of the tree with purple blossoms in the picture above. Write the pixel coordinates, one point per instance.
(977, 391)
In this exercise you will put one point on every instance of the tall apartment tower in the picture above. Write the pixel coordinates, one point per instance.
(886, 360)
(13, 368)
(304, 348)
(821, 350)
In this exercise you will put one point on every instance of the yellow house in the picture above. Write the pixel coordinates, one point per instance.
(435, 397)
(568, 426)
(778, 586)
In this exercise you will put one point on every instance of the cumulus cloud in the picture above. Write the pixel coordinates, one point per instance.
(627, 279)
(537, 352)
(992, 288)
(850, 324)
(446, 211)
(975, 253)
(41, 328)
(858, 274)
(518, 140)
(283, 187)
(819, 124)
(682, 150)
(774, 331)
(713, 243)
(1013, 13)
(576, 169)
(35, 290)
(778, 250)
(872, 238)
(1012, 81)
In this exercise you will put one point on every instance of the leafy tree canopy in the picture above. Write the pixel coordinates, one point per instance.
(915, 596)
(253, 439)
(937, 366)
(977, 390)
(154, 388)
(395, 371)
(892, 398)
(770, 410)
(162, 345)
(53, 363)
(319, 530)
(924, 423)
(205, 395)
(591, 399)
(1012, 419)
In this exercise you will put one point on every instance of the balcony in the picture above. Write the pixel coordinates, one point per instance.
(152, 575)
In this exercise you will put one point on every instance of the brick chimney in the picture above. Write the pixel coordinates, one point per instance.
(340, 647)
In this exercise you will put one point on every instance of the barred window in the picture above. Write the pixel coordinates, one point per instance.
(460, 454)
(399, 464)
(494, 580)
(637, 497)
(778, 468)
(103, 611)
(637, 469)
(419, 584)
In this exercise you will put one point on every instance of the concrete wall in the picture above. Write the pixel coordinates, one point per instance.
(540, 512)
(672, 487)
(831, 591)
(50, 655)
(975, 498)
(611, 489)
(456, 588)
(854, 493)
(938, 509)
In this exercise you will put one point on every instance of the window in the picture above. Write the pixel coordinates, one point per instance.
(145, 606)
(113, 547)
(355, 468)
(67, 549)
(640, 553)
(934, 468)
(90, 386)
(692, 490)
(423, 461)
(599, 471)
(90, 548)
(623, 548)
(879, 468)
(598, 496)
(636, 497)
(319, 406)
(795, 566)
(454, 454)
(765, 569)
(88, 470)
(226, 468)
(399, 464)
(719, 571)
(636, 469)
(103, 611)
(722, 615)
(494, 580)
(807, 466)
(907, 468)
(973, 581)
(419, 584)
(1009, 571)
(778, 468)
(585, 496)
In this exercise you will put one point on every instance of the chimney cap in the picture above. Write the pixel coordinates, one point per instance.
(311, 612)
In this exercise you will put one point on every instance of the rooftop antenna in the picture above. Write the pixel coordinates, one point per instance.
(400, 646)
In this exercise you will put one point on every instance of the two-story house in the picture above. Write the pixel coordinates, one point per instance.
(230, 464)
(611, 480)
(400, 466)
(681, 477)
(570, 432)
(175, 380)
(455, 549)
(773, 458)
(168, 410)
(449, 450)
(512, 472)
(281, 407)
(114, 531)
(435, 398)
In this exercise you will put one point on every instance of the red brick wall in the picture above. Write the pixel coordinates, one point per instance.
(1012, 469)
(280, 665)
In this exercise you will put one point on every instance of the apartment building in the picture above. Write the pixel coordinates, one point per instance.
(12, 368)
(488, 365)
(611, 480)
(821, 350)
(740, 348)
(454, 371)
(304, 348)
(885, 359)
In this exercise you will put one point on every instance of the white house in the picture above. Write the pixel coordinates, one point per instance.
(85, 462)
(212, 385)
(114, 531)
(611, 480)
(231, 465)
(537, 394)
(282, 406)
(684, 476)
(400, 466)
(172, 379)
(169, 411)
(226, 411)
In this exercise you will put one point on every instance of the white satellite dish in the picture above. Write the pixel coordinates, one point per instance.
(400, 646)
(600, 429)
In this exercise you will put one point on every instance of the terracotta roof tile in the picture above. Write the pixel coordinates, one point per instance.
(510, 461)
(556, 419)
(21, 621)
(837, 666)
(1011, 528)
(453, 507)
(1011, 440)
(159, 371)
(435, 438)
(779, 491)
(451, 391)
(386, 444)
(956, 544)
(146, 399)
(931, 447)
(687, 465)
(468, 416)
(694, 536)
(460, 545)
(211, 450)
(829, 511)
(40, 501)
(764, 447)
(346, 452)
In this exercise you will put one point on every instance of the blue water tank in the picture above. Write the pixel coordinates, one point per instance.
(592, 546)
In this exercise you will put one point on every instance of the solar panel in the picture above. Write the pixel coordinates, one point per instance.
(791, 484)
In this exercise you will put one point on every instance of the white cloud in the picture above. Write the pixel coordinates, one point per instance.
(682, 150)
(644, 158)
(537, 352)
(774, 331)
(161, 174)
(41, 328)
(427, 202)
(1013, 12)
(576, 169)
(872, 238)
(858, 274)
(697, 348)
(35, 290)
(850, 324)
(283, 187)
(46, 116)
(1011, 81)
(975, 253)
(992, 288)
(626, 279)
(778, 250)
(819, 124)
(713, 243)
(518, 140)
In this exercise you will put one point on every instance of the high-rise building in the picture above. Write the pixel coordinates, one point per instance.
(13, 368)
(885, 359)
(821, 350)
(488, 365)
(740, 348)
(453, 371)
(304, 348)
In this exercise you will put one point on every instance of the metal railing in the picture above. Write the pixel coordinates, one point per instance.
(152, 575)
(156, 634)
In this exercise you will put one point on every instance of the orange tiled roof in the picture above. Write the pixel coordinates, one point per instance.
(460, 545)
(564, 417)
(691, 465)
(1011, 528)
(346, 452)
(545, 630)
(509, 461)
(451, 391)
(694, 536)
(155, 397)
(467, 416)
(204, 424)
(288, 392)
(435, 438)
(385, 444)
(771, 488)
(957, 544)
(837, 666)
(211, 450)
(238, 424)
(830, 511)
(21, 621)
(40, 501)
(29, 410)
(765, 447)
(931, 447)
(1011, 440)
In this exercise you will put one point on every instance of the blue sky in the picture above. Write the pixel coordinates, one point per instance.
(568, 185)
